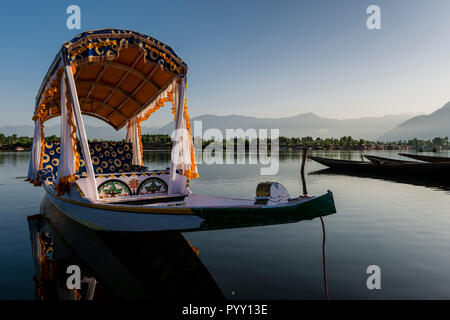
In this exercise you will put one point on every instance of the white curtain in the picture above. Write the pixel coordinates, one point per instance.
(35, 157)
(66, 168)
(181, 152)
(133, 137)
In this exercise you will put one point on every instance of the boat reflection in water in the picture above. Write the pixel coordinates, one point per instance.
(138, 265)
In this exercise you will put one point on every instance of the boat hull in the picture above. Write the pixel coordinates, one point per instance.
(410, 168)
(431, 159)
(381, 160)
(109, 218)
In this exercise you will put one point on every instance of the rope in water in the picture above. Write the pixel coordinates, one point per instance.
(324, 260)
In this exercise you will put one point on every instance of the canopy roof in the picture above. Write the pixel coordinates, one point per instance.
(118, 74)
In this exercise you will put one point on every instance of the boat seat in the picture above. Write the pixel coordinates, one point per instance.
(110, 157)
(107, 157)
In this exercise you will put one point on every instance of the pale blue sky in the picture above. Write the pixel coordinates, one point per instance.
(260, 58)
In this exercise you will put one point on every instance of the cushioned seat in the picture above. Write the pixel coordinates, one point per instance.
(107, 157)
(111, 157)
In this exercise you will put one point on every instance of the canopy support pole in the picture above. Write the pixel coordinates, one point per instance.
(80, 125)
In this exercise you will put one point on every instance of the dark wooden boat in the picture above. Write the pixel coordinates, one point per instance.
(380, 160)
(426, 158)
(408, 168)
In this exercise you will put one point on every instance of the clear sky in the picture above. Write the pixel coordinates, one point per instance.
(259, 58)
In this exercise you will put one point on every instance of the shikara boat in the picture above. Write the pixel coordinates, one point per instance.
(121, 77)
(393, 168)
(426, 158)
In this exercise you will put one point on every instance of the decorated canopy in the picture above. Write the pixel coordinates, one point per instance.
(118, 73)
(120, 77)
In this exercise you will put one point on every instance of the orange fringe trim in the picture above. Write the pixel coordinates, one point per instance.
(63, 184)
(73, 129)
(158, 105)
(42, 111)
(192, 172)
(195, 249)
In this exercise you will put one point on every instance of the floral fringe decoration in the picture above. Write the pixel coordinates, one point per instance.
(157, 106)
(192, 172)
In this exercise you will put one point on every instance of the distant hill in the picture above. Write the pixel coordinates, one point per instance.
(306, 124)
(102, 132)
(436, 124)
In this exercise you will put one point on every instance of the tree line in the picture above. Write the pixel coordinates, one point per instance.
(164, 141)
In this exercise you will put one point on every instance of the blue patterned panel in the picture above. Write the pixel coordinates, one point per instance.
(50, 161)
(107, 157)
(97, 44)
(138, 168)
(81, 172)
(111, 157)
(47, 176)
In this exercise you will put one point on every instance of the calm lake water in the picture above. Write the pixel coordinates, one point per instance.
(402, 228)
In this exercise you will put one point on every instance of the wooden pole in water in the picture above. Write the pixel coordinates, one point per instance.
(302, 171)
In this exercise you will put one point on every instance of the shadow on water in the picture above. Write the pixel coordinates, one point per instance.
(424, 181)
(145, 265)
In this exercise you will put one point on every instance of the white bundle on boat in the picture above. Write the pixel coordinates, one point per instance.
(271, 193)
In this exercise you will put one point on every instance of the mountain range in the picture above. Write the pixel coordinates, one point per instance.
(301, 125)
(386, 128)
(306, 124)
(436, 124)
